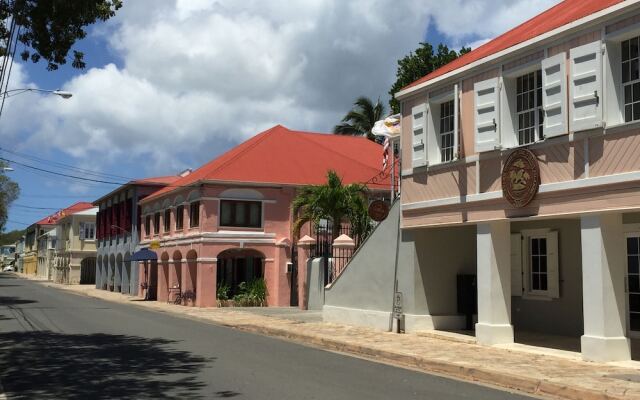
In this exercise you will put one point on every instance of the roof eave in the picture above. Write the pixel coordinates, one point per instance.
(584, 22)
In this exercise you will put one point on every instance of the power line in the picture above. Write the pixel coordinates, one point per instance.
(62, 174)
(63, 165)
(34, 208)
(18, 222)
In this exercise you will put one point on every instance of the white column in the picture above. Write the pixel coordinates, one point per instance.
(603, 266)
(494, 283)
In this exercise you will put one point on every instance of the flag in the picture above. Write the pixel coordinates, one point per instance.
(385, 153)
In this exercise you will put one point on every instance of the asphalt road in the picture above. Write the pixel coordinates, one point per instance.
(58, 345)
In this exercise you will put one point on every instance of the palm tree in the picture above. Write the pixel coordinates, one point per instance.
(360, 120)
(333, 201)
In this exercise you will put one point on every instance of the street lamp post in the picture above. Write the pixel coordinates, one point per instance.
(15, 92)
(57, 92)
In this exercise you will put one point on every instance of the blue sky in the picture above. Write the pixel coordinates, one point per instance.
(172, 84)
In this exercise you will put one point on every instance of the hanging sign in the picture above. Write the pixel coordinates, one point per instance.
(378, 210)
(520, 177)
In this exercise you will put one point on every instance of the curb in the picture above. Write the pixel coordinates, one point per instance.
(508, 381)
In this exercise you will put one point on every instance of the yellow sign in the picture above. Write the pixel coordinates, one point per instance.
(155, 244)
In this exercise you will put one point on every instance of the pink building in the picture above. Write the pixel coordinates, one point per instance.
(230, 220)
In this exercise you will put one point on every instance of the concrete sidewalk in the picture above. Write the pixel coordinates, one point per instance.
(539, 374)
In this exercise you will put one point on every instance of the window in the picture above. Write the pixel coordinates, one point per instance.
(534, 264)
(179, 217)
(631, 79)
(156, 223)
(633, 281)
(237, 213)
(87, 231)
(194, 214)
(167, 220)
(147, 225)
(446, 131)
(538, 263)
(529, 110)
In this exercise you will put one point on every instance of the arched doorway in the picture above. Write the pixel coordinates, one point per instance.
(190, 278)
(118, 275)
(176, 278)
(88, 271)
(104, 275)
(236, 266)
(111, 276)
(126, 274)
(163, 277)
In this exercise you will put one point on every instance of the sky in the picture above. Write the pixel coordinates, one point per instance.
(172, 84)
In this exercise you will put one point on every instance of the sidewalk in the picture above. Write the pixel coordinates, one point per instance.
(543, 375)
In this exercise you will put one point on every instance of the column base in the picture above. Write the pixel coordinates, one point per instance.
(605, 349)
(490, 334)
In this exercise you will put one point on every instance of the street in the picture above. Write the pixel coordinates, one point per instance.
(54, 344)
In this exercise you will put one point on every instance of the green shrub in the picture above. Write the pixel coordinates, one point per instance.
(222, 291)
(253, 293)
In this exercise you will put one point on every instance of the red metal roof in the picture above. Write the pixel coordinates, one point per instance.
(555, 17)
(163, 180)
(72, 209)
(283, 156)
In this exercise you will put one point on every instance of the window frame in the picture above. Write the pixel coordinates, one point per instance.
(166, 222)
(433, 118)
(509, 129)
(614, 110)
(156, 223)
(191, 214)
(147, 225)
(247, 213)
(533, 294)
(179, 210)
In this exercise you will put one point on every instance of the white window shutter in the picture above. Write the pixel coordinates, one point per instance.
(456, 115)
(487, 135)
(419, 135)
(553, 273)
(554, 95)
(516, 264)
(585, 85)
(81, 230)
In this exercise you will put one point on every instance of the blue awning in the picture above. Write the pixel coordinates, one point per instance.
(143, 255)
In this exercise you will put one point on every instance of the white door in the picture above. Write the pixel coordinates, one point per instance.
(633, 285)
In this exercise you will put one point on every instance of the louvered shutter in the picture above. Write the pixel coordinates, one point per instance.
(456, 123)
(553, 273)
(516, 264)
(554, 95)
(419, 135)
(586, 87)
(487, 134)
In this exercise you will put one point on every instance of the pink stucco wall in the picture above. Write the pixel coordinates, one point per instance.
(188, 257)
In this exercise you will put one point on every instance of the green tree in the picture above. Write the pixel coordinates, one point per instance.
(9, 192)
(335, 202)
(11, 237)
(416, 65)
(49, 28)
(360, 120)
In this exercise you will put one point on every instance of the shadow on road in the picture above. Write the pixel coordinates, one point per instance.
(12, 301)
(44, 364)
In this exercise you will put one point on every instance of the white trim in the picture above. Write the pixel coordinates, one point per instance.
(581, 23)
(545, 188)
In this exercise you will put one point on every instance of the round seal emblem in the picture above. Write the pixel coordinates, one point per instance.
(520, 177)
(378, 210)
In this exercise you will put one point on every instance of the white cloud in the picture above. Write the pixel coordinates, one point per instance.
(199, 73)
